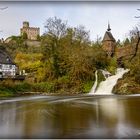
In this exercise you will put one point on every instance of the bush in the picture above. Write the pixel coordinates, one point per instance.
(43, 87)
(22, 87)
(100, 77)
(62, 82)
(6, 92)
(87, 86)
(112, 65)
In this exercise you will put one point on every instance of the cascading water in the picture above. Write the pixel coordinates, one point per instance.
(106, 86)
(106, 73)
(95, 83)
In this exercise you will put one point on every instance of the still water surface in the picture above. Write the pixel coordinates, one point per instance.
(70, 117)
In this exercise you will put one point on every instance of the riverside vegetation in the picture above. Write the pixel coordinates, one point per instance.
(66, 62)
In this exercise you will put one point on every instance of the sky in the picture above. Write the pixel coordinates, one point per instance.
(93, 15)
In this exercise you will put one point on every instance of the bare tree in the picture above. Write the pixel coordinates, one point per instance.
(81, 34)
(55, 27)
(136, 34)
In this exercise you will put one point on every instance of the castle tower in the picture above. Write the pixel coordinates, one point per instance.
(32, 32)
(25, 24)
(109, 42)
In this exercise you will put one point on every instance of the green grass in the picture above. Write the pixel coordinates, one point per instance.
(6, 93)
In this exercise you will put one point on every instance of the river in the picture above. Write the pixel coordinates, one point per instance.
(80, 116)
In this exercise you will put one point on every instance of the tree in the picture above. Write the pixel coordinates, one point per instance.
(118, 43)
(24, 36)
(38, 38)
(55, 30)
(126, 42)
(136, 35)
(81, 35)
(98, 42)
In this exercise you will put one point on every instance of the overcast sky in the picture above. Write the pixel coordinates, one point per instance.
(93, 15)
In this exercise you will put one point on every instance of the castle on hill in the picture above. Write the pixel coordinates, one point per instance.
(31, 32)
(109, 44)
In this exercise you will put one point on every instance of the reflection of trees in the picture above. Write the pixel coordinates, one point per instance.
(132, 113)
(112, 117)
(88, 118)
(37, 121)
(9, 123)
(72, 119)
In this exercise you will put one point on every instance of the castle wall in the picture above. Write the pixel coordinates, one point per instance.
(124, 51)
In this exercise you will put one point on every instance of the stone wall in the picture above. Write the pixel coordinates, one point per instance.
(109, 47)
(127, 51)
(124, 51)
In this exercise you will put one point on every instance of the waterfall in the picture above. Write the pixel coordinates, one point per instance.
(106, 73)
(95, 84)
(106, 86)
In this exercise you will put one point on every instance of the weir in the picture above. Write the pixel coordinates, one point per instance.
(105, 87)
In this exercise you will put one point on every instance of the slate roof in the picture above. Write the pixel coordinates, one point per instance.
(108, 36)
(5, 58)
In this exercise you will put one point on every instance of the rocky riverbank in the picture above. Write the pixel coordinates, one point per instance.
(127, 85)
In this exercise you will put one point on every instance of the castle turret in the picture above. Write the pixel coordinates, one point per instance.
(25, 24)
(109, 42)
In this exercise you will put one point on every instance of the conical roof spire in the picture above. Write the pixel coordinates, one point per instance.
(109, 29)
(108, 35)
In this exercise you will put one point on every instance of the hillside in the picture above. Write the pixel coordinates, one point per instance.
(65, 60)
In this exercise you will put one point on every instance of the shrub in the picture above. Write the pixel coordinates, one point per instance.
(43, 87)
(87, 86)
(112, 65)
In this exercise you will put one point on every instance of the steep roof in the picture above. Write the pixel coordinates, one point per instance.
(5, 58)
(108, 36)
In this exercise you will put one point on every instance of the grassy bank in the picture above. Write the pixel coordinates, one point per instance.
(9, 88)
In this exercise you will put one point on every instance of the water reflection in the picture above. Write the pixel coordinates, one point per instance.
(88, 117)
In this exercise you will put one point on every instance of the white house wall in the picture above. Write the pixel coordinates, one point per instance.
(7, 69)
